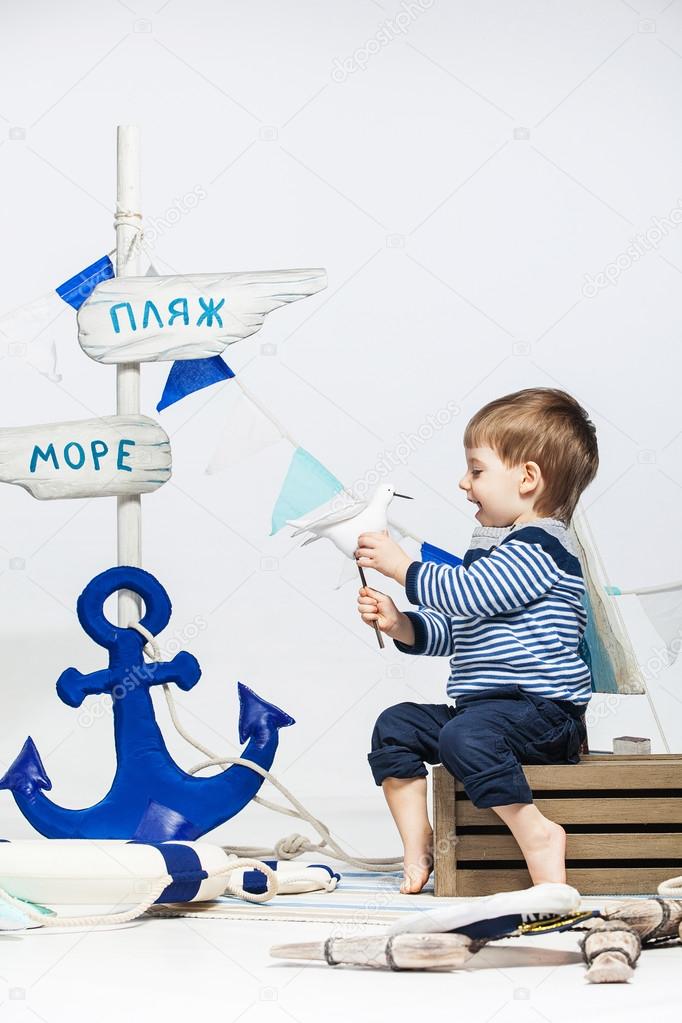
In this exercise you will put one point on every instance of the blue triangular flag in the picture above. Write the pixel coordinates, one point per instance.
(437, 554)
(189, 375)
(307, 485)
(78, 288)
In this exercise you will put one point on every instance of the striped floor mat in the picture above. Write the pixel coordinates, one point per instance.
(360, 899)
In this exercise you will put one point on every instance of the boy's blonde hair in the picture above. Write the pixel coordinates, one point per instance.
(547, 426)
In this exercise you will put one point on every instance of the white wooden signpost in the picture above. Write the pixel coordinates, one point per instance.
(124, 321)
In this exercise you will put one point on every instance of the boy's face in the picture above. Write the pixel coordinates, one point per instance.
(503, 494)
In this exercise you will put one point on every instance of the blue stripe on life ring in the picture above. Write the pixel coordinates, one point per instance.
(184, 866)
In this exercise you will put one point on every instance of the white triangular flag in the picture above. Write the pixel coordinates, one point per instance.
(246, 432)
(27, 333)
(349, 571)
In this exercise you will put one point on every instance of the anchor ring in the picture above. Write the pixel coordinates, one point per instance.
(90, 604)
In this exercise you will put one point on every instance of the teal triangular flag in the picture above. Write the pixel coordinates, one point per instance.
(307, 485)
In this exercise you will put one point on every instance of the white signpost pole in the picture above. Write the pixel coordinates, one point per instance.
(128, 226)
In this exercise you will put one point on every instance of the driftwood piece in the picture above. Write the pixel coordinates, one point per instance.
(654, 920)
(611, 950)
(400, 952)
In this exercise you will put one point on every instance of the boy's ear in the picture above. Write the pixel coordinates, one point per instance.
(531, 477)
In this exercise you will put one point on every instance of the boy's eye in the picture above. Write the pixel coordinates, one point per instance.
(476, 472)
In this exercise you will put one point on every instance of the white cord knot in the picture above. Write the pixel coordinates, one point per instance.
(129, 218)
(291, 846)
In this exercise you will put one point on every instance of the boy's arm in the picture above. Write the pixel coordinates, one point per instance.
(515, 574)
(432, 634)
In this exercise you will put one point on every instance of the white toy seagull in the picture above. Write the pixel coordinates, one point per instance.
(344, 525)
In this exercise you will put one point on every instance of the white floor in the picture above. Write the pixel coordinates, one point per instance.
(186, 969)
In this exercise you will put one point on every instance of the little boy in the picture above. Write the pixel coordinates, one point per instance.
(510, 619)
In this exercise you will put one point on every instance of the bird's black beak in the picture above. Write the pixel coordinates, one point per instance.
(406, 496)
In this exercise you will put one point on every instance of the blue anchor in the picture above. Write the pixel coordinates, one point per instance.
(150, 798)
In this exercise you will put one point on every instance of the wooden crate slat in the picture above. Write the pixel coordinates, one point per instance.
(585, 810)
(616, 757)
(640, 773)
(444, 828)
(606, 846)
(589, 881)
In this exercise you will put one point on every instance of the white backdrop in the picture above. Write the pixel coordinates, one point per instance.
(494, 189)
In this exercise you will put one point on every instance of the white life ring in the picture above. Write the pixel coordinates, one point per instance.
(87, 872)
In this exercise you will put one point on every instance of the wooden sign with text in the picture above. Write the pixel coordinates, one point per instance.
(108, 457)
(193, 316)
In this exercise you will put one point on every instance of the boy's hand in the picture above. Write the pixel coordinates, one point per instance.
(377, 607)
(380, 552)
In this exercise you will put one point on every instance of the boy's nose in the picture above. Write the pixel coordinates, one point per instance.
(464, 483)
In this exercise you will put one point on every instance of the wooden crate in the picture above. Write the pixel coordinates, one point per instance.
(622, 815)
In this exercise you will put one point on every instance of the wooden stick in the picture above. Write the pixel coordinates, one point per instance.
(376, 627)
(655, 920)
(400, 952)
(129, 508)
(611, 950)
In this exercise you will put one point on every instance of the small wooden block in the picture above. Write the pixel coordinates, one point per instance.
(631, 744)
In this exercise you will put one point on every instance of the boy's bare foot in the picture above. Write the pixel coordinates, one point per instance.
(542, 842)
(546, 854)
(417, 864)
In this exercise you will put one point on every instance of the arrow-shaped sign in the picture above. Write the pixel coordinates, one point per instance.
(107, 457)
(193, 316)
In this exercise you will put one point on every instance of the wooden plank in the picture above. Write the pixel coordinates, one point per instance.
(639, 845)
(616, 757)
(444, 835)
(586, 810)
(113, 456)
(640, 773)
(193, 316)
(588, 881)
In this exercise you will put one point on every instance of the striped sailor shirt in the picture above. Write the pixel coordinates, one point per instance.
(511, 613)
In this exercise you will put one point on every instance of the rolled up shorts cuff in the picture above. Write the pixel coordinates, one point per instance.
(395, 762)
(497, 787)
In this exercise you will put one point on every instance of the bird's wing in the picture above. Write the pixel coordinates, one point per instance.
(311, 539)
(330, 518)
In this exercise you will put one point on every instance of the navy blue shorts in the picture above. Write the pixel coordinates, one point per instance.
(482, 741)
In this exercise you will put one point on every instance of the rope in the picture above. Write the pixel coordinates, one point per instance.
(291, 846)
(88, 921)
(129, 218)
(671, 889)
